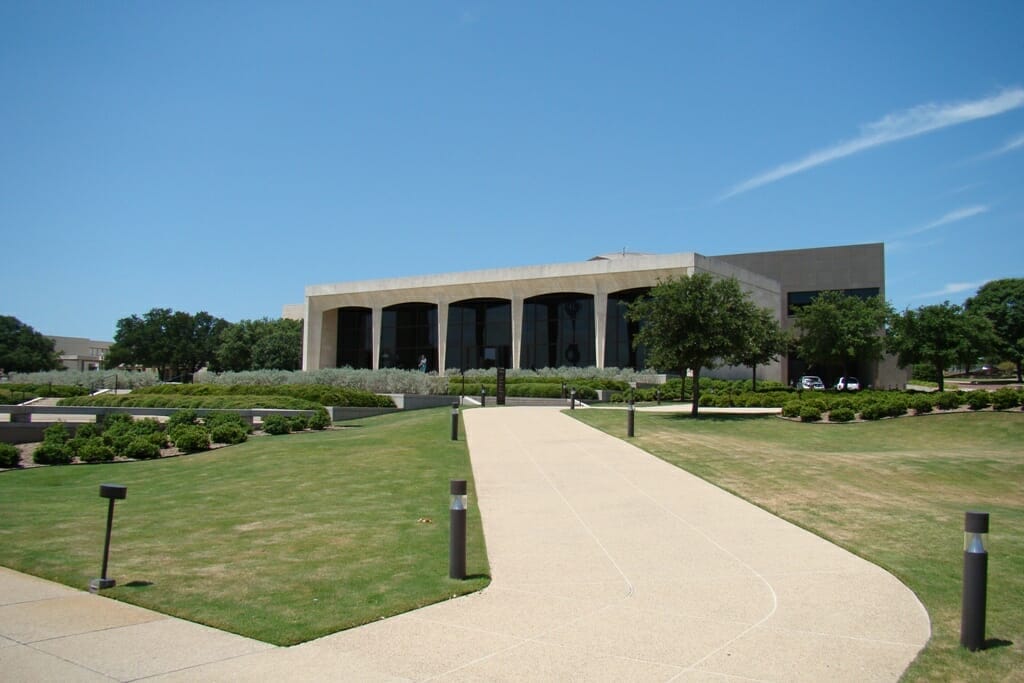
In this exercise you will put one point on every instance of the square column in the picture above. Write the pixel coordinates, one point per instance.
(600, 325)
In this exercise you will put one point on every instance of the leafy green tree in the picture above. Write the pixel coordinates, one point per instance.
(837, 330)
(260, 345)
(939, 335)
(766, 341)
(22, 349)
(1002, 302)
(176, 343)
(693, 322)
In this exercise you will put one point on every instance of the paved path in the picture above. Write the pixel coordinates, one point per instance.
(607, 563)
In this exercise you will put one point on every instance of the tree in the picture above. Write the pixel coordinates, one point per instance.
(765, 342)
(939, 335)
(836, 330)
(693, 322)
(260, 344)
(1002, 303)
(22, 349)
(176, 343)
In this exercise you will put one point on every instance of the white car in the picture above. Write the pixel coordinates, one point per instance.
(848, 384)
(812, 382)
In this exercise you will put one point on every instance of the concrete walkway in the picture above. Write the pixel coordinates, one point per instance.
(608, 564)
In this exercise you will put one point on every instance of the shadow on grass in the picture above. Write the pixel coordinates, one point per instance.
(138, 584)
(717, 417)
(993, 643)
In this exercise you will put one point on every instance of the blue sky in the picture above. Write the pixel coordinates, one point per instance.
(222, 156)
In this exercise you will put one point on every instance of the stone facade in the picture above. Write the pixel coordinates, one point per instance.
(768, 277)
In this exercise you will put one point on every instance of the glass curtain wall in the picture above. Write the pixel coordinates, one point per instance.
(558, 330)
(618, 350)
(479, 334)
(355, 337)
(407, 332)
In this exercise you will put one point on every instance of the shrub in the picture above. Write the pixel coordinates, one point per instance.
(213, 420)
(117, 421)
(1005, 399)
(319, 420)
(158, 439)
(146, 426)
(276, 424)
(141, 448)
(841, 414)
(52, 453)
(56, 433)
(922, 403)
(791, 409)
(94, 450)
(190, 438)
(896, 405)
(810, 412)
(976, 400)
(228, 433)
(297, 422)
(10, 456)
(87, 430)
(182, 417)
(873, 411)
(949, 400)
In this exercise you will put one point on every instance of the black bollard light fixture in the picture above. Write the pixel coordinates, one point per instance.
(657, 396)
(455, 421)
(111, 492)
(457, 529)
(483, 397)
(630, 419)
(572, 400)
(972, 616)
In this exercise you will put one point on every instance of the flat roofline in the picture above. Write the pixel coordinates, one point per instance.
(629, 263)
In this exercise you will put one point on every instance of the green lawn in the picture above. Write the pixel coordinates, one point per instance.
(283, 539)
(893, 491)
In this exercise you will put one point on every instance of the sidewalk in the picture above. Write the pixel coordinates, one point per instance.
(607, 564)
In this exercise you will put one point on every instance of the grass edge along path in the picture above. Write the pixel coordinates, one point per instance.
(282, 539)
(893, 491)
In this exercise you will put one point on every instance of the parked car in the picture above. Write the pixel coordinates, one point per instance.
(812, 382)
(848, 384)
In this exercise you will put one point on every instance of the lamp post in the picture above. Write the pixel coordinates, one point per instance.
(455, 420)
(457, 529)
(972, 617)
(111, 492)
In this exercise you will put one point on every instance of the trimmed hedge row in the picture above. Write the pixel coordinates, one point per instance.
(180, 402)
(875, 405)
(321, 394)
(19, 392)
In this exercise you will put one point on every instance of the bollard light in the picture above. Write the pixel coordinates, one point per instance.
(457, 529)
(630, 419)
(972, 616)
(563, 391)
(455, 421)
(657, 396)
(572, 400)
(111, 492)
(483, 397)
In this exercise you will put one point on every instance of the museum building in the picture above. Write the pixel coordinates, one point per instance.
(569, 314)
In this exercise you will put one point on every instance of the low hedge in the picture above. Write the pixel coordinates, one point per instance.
(183, 402)
(321, 394)
(15, 391)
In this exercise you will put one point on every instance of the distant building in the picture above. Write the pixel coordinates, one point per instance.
(78, 353)
(569, 314)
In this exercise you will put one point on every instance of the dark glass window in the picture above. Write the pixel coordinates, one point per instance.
(479, 334)
(407, 332)
(797, 300)
(558, 330)
(355, 337)
(618, 350)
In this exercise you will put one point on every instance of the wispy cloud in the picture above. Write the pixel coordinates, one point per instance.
(1011, 145)
(951, 288)
(900, 125)
(951, 217)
